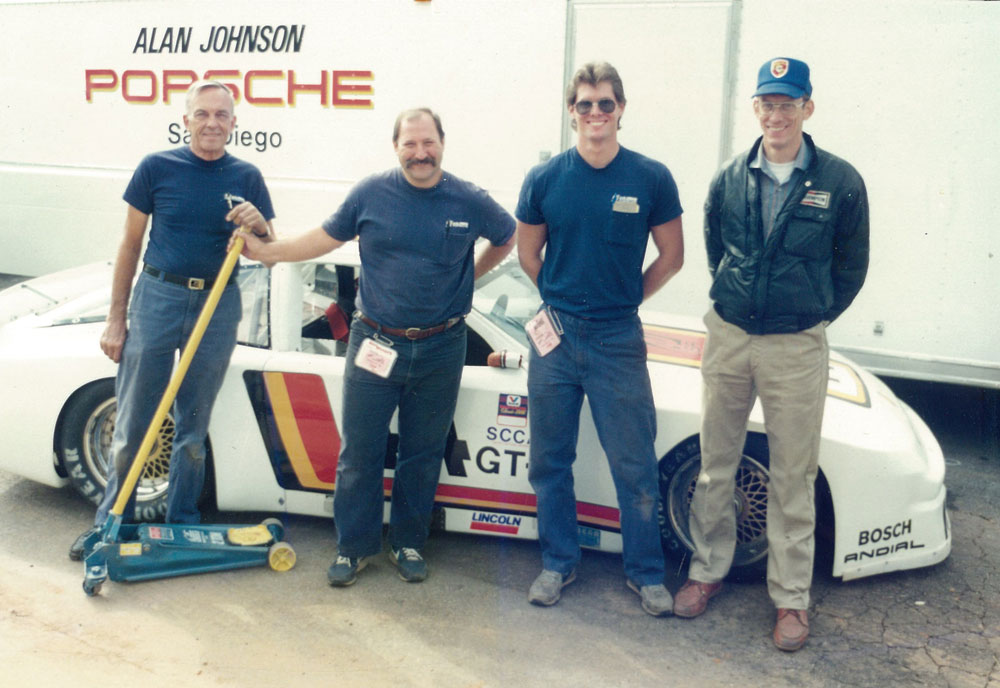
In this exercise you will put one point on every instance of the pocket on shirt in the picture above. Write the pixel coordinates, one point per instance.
(456, 243)
(626, 229)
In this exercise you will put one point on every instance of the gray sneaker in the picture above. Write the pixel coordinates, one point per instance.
(411, 566)
(655, 598)
(547, 588)
(344, 570)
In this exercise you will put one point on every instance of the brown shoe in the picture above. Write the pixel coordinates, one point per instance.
(693, 597)
(792, 629)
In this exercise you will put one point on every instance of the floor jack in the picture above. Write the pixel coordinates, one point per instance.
(136, 552)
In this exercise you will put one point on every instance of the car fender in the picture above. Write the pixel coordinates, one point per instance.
(67, 359)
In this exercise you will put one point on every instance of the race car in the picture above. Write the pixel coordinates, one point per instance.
(274, 437)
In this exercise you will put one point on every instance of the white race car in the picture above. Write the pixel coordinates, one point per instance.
(274, 436)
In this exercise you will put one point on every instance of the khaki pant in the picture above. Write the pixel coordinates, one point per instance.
(789, 373)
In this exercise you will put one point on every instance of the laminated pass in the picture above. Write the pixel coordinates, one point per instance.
(376, 357)
(543, 330)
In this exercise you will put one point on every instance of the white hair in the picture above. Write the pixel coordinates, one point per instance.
(202, 85)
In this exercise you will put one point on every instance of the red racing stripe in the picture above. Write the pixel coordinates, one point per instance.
(315, 421)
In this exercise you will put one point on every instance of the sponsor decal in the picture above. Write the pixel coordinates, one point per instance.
(507, 435)
(456, 224)
(889, 532)
(159, 533)
(130, 549)
(495, 523)
(488, 460)
(883, 534)
(817, 199)
(596, 516)
(216, 538)
(513, 410)
(779, 68)
(861, 555)
(588, 537)
(195, 536)
(673, 345)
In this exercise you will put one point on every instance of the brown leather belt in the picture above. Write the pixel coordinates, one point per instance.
(412, 333)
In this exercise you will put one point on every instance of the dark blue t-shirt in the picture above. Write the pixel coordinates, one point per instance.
(416, 245)
(598, 224)
(186, 197)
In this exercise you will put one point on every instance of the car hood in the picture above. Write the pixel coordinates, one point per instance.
(80, 294)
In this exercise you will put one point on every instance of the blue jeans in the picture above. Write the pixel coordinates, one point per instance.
(424, 386)
(606, 360)
(161, 318)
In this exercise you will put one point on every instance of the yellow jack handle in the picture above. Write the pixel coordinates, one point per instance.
(207, 311)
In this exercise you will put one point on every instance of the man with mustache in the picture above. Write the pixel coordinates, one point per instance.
(417, 226)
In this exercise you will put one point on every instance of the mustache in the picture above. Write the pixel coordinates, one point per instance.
(430, 159)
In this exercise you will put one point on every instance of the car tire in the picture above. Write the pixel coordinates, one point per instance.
(678, 474)
(84, 447)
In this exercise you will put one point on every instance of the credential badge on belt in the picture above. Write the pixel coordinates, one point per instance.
(376, 357)
(543, 331)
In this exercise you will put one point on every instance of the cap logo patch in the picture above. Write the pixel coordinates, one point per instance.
(779, 68)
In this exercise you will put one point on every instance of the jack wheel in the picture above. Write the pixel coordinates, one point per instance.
(281, 556)
(92, 589)
(275, 526)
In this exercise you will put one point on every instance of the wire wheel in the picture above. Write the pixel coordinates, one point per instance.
(84, 446)
(678, 477)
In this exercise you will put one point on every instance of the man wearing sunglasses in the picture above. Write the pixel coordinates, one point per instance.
(786, 228)
(593, 209)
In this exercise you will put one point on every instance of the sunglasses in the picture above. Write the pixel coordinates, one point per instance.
(606, 105)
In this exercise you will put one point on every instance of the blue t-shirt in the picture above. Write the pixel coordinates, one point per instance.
(598, 224)
(186, 197)
(416, 245)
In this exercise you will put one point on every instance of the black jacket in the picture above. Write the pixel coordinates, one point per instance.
(812, 264)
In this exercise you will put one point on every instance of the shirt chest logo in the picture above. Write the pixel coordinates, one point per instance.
(817, 199)
(624, 204)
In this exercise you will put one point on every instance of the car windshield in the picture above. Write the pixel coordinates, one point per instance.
(507, 297)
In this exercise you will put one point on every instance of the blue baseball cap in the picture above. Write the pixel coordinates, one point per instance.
(784, 76)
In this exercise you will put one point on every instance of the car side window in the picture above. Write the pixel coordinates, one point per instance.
(327, 307)
(254, 327)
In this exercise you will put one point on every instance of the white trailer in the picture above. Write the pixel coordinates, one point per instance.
(905, 90)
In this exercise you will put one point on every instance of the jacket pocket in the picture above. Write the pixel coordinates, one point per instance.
(809, 233)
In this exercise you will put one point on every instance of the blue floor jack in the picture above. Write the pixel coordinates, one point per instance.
(137, 552)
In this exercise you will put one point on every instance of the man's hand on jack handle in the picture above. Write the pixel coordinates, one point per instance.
(246, 215)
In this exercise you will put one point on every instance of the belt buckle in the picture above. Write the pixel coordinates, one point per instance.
(196, 283)
(412, 333)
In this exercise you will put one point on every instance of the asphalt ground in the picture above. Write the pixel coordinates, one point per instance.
(469, 624)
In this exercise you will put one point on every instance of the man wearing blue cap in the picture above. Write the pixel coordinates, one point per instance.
(786, 230)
